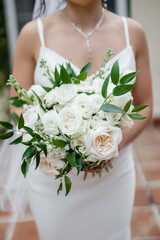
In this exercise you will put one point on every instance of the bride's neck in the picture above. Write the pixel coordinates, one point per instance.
(86, 16)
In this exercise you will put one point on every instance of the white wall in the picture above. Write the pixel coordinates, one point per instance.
(147, 12)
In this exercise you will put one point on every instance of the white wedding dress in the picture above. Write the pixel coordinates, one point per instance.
(97, 208)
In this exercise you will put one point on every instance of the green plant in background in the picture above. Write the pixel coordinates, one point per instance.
(4, 59)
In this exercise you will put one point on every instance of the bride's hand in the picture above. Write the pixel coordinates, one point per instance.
(97, 168)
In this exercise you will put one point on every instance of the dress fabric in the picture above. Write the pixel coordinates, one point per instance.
(97, 208)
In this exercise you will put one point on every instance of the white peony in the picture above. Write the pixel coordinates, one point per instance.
(50, 99)
(50, 122)
(31, 116)
(84, 105)
(65, 93)
(70, 121)
(102, 144)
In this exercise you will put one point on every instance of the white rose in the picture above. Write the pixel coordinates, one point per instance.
(38, 90)
(31, 116)
(97, 84)
(79, 141)
(113, 118)
(50, 99)
(85, 86)
(102, 144)
(95, 122)
(121, 101)
(126, 121)
(70, 121)
(97, 101)
(84, 105)
(50, 122)
(65, 93)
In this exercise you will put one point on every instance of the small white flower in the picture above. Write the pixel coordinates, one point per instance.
(50, 122)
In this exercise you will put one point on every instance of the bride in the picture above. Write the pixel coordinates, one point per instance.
(97, 208)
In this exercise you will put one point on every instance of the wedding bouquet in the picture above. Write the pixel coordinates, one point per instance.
(75, 123)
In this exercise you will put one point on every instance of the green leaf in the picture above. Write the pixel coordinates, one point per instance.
(28, 130)
(127, 106)
(15, 117)
(25, 168)
(67, 184)
(6, 125)
(59, 143)
(18, 103)
(30, 152)
(13, 99)
(82, 76)
(115, 73)
(136, 116)
(37, 159)
(86, 68)
(139, 108)
(70, 70)
(17, 140)
(123, 89)
(66, 79)
(47, 89)
(57, 76)
(43, 147)
(6, 135)
(72, 159)
(39, 100)
(112, 108)
(79, 162)
(105, 86)
(128, 77)
(21, 122)
(60, 188)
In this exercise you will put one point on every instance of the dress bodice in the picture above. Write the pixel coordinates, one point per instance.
(126, 57)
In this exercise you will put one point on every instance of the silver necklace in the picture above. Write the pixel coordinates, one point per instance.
(86, 36)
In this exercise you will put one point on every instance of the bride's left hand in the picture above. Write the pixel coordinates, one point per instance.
(97, 169)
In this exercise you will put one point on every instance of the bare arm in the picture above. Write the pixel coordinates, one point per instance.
(142, 92)
(24, 58)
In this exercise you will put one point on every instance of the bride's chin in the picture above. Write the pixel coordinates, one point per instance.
(82, 3)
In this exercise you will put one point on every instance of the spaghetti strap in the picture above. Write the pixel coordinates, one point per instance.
(40, 31)
(126, 31)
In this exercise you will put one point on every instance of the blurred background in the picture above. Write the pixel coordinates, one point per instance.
(146, 214)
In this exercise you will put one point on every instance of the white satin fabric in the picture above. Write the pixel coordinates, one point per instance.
(97, 208)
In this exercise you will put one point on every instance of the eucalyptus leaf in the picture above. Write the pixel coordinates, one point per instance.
(21, 122)
(139, 108)
(67, 184)
(72, 159)
(6, 135)
(115, 73)
(86, 68)
(25, 168)
(30, 152)
(136, 116)
(112, 108)
(123, 89)
(17, 140)
(127, 106)
(6, 125)
(105, 86)
(66, 79)
(128, 77)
